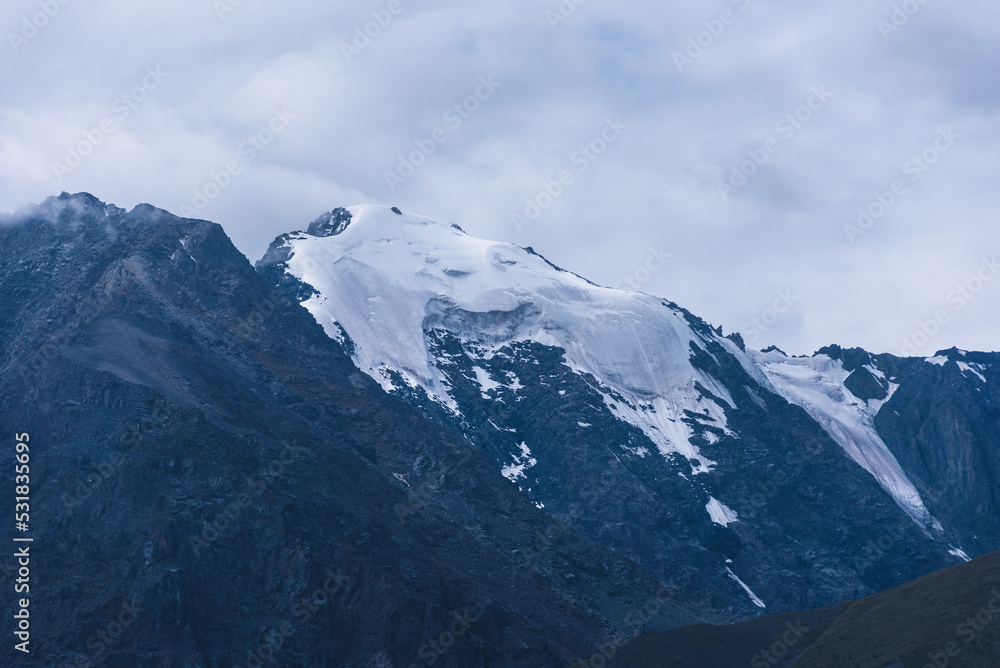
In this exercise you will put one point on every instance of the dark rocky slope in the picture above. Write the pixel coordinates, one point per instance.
(204, 457)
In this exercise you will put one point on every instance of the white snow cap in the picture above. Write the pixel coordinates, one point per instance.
(388, 277)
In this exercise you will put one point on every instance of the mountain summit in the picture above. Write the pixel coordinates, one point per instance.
(387, 279)
(601, 404)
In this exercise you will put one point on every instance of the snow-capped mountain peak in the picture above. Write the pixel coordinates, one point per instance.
(563, 381)
(387, 278)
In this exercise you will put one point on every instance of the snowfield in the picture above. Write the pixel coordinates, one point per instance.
(388, 278)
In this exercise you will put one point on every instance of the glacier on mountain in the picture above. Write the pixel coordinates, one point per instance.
(387, 278)
(816, 384)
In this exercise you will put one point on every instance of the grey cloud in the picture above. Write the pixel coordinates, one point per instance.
(657, 185)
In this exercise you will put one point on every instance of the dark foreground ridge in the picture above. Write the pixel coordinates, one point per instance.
(950, 618)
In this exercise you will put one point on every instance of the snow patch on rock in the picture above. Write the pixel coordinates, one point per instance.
(817, 385)
(720, 513)
(753, 597)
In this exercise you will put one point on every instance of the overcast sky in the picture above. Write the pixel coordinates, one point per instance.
(822, 106)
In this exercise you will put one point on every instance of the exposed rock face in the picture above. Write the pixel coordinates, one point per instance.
(943, 425)
(330, 223)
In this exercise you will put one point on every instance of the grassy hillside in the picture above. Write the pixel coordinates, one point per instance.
(948, 619)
